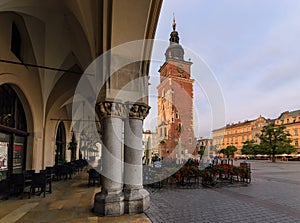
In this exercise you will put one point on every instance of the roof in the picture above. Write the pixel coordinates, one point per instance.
(241, 123)
(294, 114)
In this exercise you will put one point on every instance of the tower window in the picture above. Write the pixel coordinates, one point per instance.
(179, 127)
(163, 93)
(16, 41)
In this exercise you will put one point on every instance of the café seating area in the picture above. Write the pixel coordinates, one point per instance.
(30, 182)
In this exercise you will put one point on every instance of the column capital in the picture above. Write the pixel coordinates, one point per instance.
(112, 108)
(109, 108)
(137, 110)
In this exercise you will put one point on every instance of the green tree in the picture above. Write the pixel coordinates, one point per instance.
(275, 140)
(228, 151)
(201, 151)
(250, 148)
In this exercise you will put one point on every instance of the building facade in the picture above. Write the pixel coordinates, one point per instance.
(236, 134)
(45, 48)
(175, 103)
(150, 146)
(205, 146)
(291, 120)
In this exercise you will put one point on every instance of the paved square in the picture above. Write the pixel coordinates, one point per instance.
(272, 196)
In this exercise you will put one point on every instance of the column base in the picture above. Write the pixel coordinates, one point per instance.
(109, 204)
(136, 200)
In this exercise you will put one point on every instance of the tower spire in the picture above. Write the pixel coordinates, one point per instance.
(174, 38)
(174, 22)
(175, 50)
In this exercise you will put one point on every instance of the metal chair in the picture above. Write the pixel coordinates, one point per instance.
(18, 183)
(39, 181)
(94, 177)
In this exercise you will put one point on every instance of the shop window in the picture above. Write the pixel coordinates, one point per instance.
(4, 146)
(18, 154)
(13, 132)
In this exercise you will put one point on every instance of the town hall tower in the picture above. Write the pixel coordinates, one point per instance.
(175, 103)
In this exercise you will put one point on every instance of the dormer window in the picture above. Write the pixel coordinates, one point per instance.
(16, 41)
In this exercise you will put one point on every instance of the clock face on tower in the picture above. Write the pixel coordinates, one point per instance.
(180, 68)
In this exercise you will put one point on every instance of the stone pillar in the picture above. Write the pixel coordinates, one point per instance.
(110, 201)
(136, 197)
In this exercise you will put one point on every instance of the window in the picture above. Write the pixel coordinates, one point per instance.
(296, 142)
(190, 140)
(16, 41)
(296, 132)
(4, 149)
(179, 127)
(11, 109)
(163, 93)
(13, 132)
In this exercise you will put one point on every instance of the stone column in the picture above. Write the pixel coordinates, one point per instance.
(136, 197)
(110, 201)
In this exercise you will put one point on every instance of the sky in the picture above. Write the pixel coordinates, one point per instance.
(252, 49)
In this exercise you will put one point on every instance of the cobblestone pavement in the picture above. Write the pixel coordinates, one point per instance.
(272, 196)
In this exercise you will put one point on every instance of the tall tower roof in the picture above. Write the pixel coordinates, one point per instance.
(174, 37)
(175, 50)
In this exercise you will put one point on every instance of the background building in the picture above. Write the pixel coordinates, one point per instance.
(150, 146)
(206, 145)
(175, 103)
(237, 133)
(292, 122)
